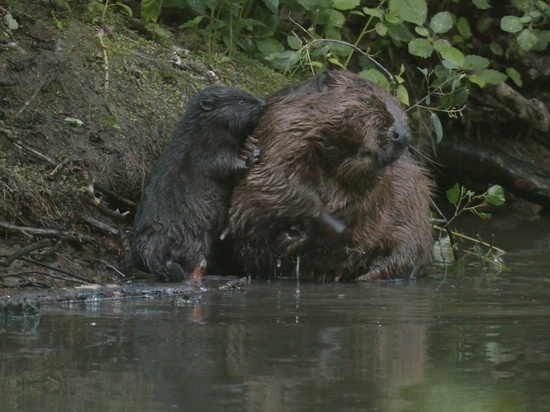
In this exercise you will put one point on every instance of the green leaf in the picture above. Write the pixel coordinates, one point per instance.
(483, 215)
(422, 31)
(331, 17)
(438, 129)
(453, 194)
(527, 39)
(294, 42)
(442, 22)
(463, 28)
(336, 62)
(443, 251)
(345, 4)
(525, 19)
(511, 24)
(381, 29)
(452, 55)
(474, 62)
(284, 60)
(495, 195)
(269, 46)
(373, 12)
(391, 18)
(440, 43)
(477, 80)
(191, 23)
(312, 5)
(420, 48)
(492, 76)
(150, 11)
(455, 99)
(400, 32)
(377, 77)
(272, 5)
(413, 11)
(496, 49)
(11, 22)
(424, 71)
(515, 76)
(481, 4)
(522, 5)
(402, 94)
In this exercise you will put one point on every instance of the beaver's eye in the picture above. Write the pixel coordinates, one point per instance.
(367, 103)
(242, 102)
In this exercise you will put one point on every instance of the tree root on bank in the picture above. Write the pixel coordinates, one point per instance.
(492, 165)
(35, 231)
(532, 111)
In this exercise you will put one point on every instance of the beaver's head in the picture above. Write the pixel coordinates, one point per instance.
(227, 108)
(355, 128)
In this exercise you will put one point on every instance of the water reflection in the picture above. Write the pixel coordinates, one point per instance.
(477, 342)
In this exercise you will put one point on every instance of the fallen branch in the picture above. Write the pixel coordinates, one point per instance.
(34, 262)
(101, 226)
(35, 231)
(100, 34)
(533, 111)
(41, 86)
(58, 168)
(34, 152)
(114, 195)
(113, 214)
(25, 251)
(484, 163)
(47, 274)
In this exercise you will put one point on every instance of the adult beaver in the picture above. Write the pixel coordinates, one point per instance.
(184, 205)
(333, 145)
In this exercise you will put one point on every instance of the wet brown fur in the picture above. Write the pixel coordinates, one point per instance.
(184, 206)
(335, 143)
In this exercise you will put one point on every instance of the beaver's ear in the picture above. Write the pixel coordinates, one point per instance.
(207, 104)
(325, 79)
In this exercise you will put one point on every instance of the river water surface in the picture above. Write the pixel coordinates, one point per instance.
(474, 342)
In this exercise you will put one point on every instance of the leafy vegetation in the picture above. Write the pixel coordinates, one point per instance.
(433, 42)
(446, 247)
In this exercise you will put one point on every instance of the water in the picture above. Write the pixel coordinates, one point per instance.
(455, 343)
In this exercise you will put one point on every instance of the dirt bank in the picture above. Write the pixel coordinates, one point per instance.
(84, 112)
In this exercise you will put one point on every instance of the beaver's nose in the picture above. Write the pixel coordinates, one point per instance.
(262, 103)
(400, 135)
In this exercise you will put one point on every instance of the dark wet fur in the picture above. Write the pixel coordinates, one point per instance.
(184, 205)
(337, 145)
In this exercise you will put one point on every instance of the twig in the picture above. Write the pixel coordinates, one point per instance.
(19, 274)
(41, 156)
(34, 262)
(100, 34)
(58, 168)
(101, 226)
(114, 214)
(34, 231)
(41, 86)
(122, 275)
(471, 239)
(25, 251)
(115, 196)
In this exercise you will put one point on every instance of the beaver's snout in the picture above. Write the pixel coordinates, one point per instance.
(400, 135)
